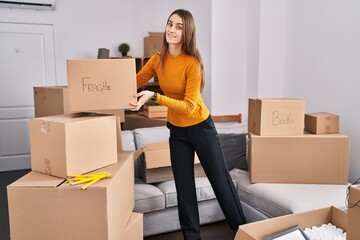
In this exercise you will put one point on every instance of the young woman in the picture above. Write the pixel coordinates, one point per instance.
(180, 71)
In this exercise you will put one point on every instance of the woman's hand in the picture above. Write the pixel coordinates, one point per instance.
(142, 98)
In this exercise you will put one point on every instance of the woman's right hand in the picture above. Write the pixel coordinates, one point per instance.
(142, 98)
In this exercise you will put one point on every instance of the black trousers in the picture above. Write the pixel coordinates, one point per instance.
(202, 139)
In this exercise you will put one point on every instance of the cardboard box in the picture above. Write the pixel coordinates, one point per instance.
(137, 120)
(321, 122)
(54, 100)
(43, 207)
(101, 84)
(353, 226)
(156, 164)
(49, 101)
(307, 158)
(134, 229)
(262, 229)
(155, 111)
(153, 43)
(276, 116)
(66, 145)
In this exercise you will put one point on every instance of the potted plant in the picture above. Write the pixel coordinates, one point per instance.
(124, 48)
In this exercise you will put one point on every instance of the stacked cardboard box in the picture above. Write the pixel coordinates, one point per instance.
(42, 204)
(281, 152)
(153, 43)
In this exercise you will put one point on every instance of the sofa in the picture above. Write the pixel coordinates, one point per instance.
(158, 201)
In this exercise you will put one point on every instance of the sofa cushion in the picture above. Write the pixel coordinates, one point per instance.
(204, 191)
(145, 136)
(277, 199)
(234, 149)
(128, 140)
(147, 197)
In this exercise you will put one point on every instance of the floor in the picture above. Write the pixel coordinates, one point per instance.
(214, 231)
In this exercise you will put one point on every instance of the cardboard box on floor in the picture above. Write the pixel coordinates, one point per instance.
(153, 43)
(50, 101)
(308, 158)
(276, 117)
(54, 100)
(156, 164)
(321, 123)
(261, 229)
(134, 229)
(43, 207)
(353, 223)
(66, 145)
(101, 84)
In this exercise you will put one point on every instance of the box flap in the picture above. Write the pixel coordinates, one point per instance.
(36, 179)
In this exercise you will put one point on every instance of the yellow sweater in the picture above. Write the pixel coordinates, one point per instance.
(180, 81)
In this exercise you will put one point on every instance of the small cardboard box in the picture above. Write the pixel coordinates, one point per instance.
(134, 229)
(156, 164)
(265, 228)
(155, 111)
(43, 207)
(49, 101)
(308, 158)
(66, 145)
(153, 43)
(101, 84)
(353, 226)
(321, 122)
(276, 116)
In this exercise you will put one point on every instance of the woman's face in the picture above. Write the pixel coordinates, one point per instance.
(174, 30)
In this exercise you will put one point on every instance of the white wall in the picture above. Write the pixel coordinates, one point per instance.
(322, 63)
(83, 26)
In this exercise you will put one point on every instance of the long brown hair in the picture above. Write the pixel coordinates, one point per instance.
(189, 45)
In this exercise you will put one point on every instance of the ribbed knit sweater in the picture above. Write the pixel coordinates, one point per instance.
(179, 79)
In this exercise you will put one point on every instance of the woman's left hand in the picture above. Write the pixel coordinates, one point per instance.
(142, 98)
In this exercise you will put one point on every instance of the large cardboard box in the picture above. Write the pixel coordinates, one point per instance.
(137, 120)
(321, 122)
(265, 228)
(353, 225)
(101, 84)
(43, 207)
(153, 43)
(66, 145)
(276, 116)
(49, 101)
(307, 158)
(54, 100)
(156, 164)
(134, 229)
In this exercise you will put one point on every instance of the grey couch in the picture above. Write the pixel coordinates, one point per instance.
(260, 201)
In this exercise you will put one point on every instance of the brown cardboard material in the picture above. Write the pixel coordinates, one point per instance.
(43, 207)
(156, 166)
(276, 117)
(261, 229)
(353, 223)
(101, 84)
(66, 145)
(153, 43)
(54, 100)
(308, 158)
(155, 111)
(137, 120)
(49, 101)
(321, 123)
(135, 227)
